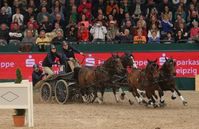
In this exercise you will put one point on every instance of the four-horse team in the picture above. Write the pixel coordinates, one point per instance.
(83, 83)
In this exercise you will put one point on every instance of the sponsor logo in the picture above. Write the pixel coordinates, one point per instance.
(30, 62)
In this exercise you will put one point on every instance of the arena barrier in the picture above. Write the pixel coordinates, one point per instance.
(197, 83)
(18, 96)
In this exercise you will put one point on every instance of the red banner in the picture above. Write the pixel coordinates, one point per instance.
(187, 63)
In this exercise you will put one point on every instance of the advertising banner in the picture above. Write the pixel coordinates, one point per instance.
(187, 63)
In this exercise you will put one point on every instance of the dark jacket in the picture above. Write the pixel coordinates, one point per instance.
(4, 34)
(36, 76)
(68, 53)
(50, 59)
(57, 41)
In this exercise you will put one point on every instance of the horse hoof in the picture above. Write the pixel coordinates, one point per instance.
(144, 102)
(130, 102)
(173, 97)
(155, 106)
(162, 104)
(185, 103)
(122, 97)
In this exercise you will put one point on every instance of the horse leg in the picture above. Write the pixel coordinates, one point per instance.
(138, 97)
(102, 93)
(173, 94)
(115, 95)
(182, 98)
(95, 96)
(161, 94)
(83, 96)
(122, 95)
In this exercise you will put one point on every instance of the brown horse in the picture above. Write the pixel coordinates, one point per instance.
(167, 79)
(146, 80)
(94, 79)
(112, 71)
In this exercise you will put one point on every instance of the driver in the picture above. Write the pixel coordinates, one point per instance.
(68, 54)
(37, 75)
(49, 60)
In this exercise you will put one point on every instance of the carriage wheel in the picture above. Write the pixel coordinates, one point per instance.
(61, 92)
(45, 92)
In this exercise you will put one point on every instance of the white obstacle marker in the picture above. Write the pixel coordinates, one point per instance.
(18, 96)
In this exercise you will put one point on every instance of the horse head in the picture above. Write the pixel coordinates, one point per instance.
(127, 60)
(152, 69)
(114, 65)
(169, 66)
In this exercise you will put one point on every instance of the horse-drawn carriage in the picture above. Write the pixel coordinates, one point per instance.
(80, 85)
(84, 83)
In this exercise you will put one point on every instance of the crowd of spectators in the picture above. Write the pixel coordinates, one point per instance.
(45, 22)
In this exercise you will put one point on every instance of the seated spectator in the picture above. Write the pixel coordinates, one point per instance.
(29, 14)
(121, 16)
(154, 28)
(30, 26)
(85, 8)
(126, 5)
(137, 9)
(41, 15)
(114, 13)
(73, 15)
(33, 22)
(154, 38)
(55, 12)
(46, 25)
(139, 38)
(166, 26)
(59, 21)
(8, 9)
(142, 21)
(15, 34)
(139, 28)
(71, 33)
(181, 27)
(194, 30)
(4, 18)
(83, 33)
(152, 11)
(180, 38)
(42, 41)
(4, 30)
(84, 21)
(125, 37)
(153, 20)
(180, 11)
(57, 28)
(113, 31)
(98, 32)
(111, 5)
(169, 39)
(98, 5)
(166, 13)
(27, 42)
(59, 38)
(18, 17)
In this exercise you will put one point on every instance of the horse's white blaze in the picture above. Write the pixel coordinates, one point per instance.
(182, 98)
